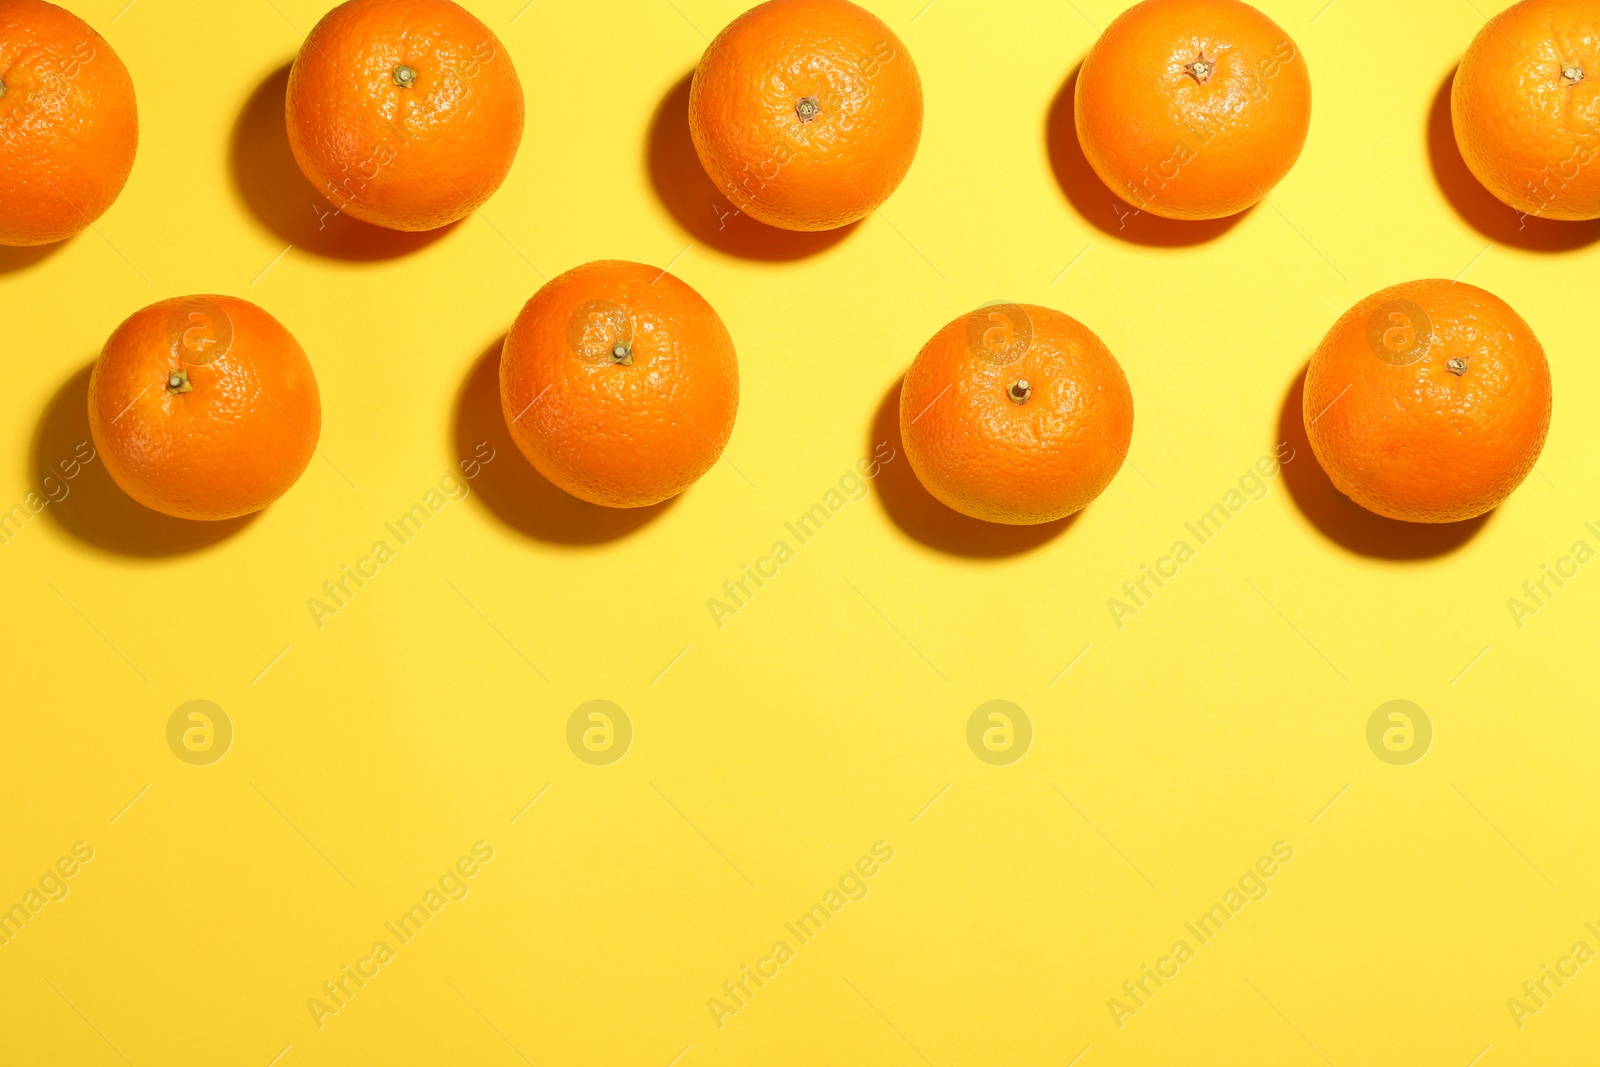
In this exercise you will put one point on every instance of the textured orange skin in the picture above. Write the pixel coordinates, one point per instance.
(231, 445)
(1172, 146)
(408, 159)
(68, 124)
(984, 455)
(1417, 442)
(1528, 135)
(621, 436)
(844, 162)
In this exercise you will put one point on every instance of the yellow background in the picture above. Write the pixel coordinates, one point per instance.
(825, 715)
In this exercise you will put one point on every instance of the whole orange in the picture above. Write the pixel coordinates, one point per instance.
(1526, 108)
(68, 124)
(1192, 109)
(619, 383)
(806, 113)
(204, 407)
(1428, 402)
(404, 113)
(1016, 414)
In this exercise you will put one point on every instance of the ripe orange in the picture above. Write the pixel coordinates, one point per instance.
(1526, 108)
(404, 113)
(1428, 401)
(1193, 109)
(68, 124)
(1016, 414)
(204, 407)
(806, 113)
(619, 384)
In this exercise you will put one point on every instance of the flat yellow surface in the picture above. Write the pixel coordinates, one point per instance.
(830, 712)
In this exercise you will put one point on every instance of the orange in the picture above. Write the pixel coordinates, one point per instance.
(1016, 414)
(1193, 109)
(1526, 108)
(404, 113)
(68, 125)
(806, 113)
(619, 384)
(204, 407)
(1428, 402)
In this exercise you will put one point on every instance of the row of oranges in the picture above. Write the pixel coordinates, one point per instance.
(1427, 401)
(619, 383)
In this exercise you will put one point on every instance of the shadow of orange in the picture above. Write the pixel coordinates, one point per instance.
(925, 518)
(1478, 206)
(510, 487)
(94, 508)
(699, 206)
(1341, 519)
(284, 200)
(13, 258)
(1099, 205)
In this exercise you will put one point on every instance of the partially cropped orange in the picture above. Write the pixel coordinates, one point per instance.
(68, 124)
(1525, 104)
(404, 113)
(1193, 109)
(1016, 414)
(619, 383)
(204, 407)
(1428, 402)
(806, 113)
